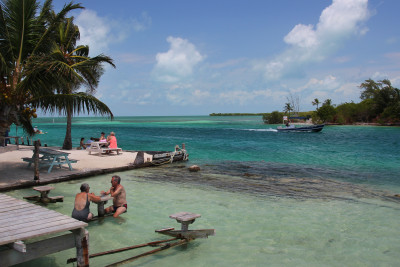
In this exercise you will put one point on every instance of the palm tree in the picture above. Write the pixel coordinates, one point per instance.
(288, 107)
(77, 69)
(26, 31)
(40, 66)
(316, 102)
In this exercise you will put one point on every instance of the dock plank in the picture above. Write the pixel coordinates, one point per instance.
(20, 220)
(13, 230)
(46, 231)
(41, 222)
(26, 217)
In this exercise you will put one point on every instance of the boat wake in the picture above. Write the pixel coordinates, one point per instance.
(261, 130)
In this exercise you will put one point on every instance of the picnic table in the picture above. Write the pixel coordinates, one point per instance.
(50, 157)
(101, 147)
(44, 198)
(100, 205)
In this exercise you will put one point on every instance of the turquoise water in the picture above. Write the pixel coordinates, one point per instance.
(276, 199)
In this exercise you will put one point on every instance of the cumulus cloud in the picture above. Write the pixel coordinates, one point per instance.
(309, 43)
(178, 62)
(100, 32)
(141, 23)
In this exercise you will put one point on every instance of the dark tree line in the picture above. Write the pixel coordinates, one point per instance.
(380, 103)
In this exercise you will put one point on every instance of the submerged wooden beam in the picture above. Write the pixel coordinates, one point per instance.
(189, 234)
(167, 246)
(152, 244)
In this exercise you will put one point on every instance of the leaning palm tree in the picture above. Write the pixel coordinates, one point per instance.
(288, 107)
(77, 69)
(316, 102)
(27, 32)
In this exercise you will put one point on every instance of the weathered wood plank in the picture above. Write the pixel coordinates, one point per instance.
(4, 207)
(57, 222)
(26, 217)
(25, 207)
(49, 230)
(23, 220)
(33, 221)
(16, 213)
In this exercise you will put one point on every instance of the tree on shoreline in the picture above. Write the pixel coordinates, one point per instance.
(77, 69)
(316, 102)
(28, 34)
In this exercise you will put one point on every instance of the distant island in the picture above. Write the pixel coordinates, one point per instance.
(237, 114)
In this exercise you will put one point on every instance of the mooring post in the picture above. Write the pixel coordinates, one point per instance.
(82, 247)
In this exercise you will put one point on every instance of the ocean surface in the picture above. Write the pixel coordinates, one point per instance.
(275, 199)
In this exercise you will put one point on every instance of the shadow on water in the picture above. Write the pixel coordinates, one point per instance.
(270, 180)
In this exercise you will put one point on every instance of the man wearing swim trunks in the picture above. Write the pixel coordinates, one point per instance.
(117, 191)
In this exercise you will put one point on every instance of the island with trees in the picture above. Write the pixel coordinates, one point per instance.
(380, 105)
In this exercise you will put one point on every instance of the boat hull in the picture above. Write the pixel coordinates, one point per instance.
(306, 129)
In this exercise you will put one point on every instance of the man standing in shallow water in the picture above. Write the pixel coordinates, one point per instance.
(117, 191)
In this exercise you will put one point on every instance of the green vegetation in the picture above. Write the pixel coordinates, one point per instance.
(41, 67)
(237, 114)
(380, 103)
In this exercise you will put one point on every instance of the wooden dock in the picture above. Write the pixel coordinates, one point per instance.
(21, 221)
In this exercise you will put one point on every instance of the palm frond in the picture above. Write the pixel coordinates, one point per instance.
(77, 103)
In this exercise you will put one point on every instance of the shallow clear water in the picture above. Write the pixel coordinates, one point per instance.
(276, 199)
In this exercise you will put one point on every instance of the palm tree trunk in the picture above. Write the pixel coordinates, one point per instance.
(36, 161)
(68, 138)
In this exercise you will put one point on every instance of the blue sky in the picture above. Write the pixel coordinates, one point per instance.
(180, 57)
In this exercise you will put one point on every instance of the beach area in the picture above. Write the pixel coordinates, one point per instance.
(15, 173)
(281, 199)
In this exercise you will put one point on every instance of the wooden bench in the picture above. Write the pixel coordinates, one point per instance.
(44, 198)
(46, 162)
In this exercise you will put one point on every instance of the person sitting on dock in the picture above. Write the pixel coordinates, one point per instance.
(117, 191)
(81, 210)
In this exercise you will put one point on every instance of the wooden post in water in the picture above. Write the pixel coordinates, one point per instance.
(36, 161)
(82, 247)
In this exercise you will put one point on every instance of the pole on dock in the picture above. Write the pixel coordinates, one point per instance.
(36, 161)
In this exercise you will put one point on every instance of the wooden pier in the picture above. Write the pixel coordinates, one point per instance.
(21, 221)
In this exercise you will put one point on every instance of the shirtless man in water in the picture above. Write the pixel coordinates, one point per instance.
(117, 191)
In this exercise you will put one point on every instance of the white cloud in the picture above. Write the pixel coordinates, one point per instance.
(100, 32)
(142, 23)
(94, 31)
(178, 62)
(339, 21)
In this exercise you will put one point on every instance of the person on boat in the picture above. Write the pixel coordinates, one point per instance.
(81, 210)
(117, 191)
